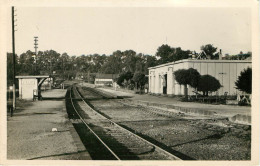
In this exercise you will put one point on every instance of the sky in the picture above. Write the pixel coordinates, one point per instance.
(103, 30)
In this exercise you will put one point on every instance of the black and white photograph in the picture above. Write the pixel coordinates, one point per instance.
(167, 82)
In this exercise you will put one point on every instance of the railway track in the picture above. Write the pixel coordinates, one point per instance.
(187, 137)
(92, 94)
(120, 142)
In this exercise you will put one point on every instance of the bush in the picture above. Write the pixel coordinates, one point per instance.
(124, 77)
(131, 86)
(244, 81)
(187, 77)
(243, 103)
(208, 83)
(140, 80)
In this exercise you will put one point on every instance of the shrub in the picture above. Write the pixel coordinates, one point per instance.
(208, 83)
(187, 77)
(139, 79)
(124, 76)
(244, 81)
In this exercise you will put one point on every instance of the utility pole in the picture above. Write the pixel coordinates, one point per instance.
(35, 46)
(13, 43)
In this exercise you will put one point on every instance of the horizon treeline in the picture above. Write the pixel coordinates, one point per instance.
(67, 67)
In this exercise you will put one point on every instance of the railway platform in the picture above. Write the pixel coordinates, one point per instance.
(54, 94)
(238, 114)
(42, 130)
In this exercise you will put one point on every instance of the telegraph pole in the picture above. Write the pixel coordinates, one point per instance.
(35, 44)
(13, 43)
(35, 47)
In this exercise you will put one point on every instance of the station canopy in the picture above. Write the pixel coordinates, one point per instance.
(29, 77)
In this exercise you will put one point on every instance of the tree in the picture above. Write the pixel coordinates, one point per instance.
(210, 50)
(67, 66)
(139, 66)
(244, 81)
(64, 62)
(140, 80)
(180, 54)
(170, 54)
(208, 83)
(240, 56)
(49, 61)
(164, 52)
(10, 68)
(129, 60)
(150, 61)
(113, 64)
(124, 77)
(187, 77)
(243, 56)
(194, 77)
(27, 65)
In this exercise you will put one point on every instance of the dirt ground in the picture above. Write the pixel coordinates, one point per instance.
(200, 139)
(220, 109)
(30, 136)
(195, 142)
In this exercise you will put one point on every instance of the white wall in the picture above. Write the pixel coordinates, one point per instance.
(102, 81)
(26, 87)
(226, 71)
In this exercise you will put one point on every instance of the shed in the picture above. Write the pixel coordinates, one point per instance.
(30, 86)
(105, 79)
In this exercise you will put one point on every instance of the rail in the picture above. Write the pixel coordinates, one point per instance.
(129, 132)
(91, 129)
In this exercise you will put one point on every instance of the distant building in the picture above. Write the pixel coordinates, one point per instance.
(105, 79)
(162, 80)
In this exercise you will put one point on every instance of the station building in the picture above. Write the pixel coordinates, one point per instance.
(162, 80)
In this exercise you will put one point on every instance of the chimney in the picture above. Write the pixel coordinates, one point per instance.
(220, 54)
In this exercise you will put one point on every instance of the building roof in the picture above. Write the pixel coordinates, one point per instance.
(27, 77)
(201, 61)
(106, 76)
